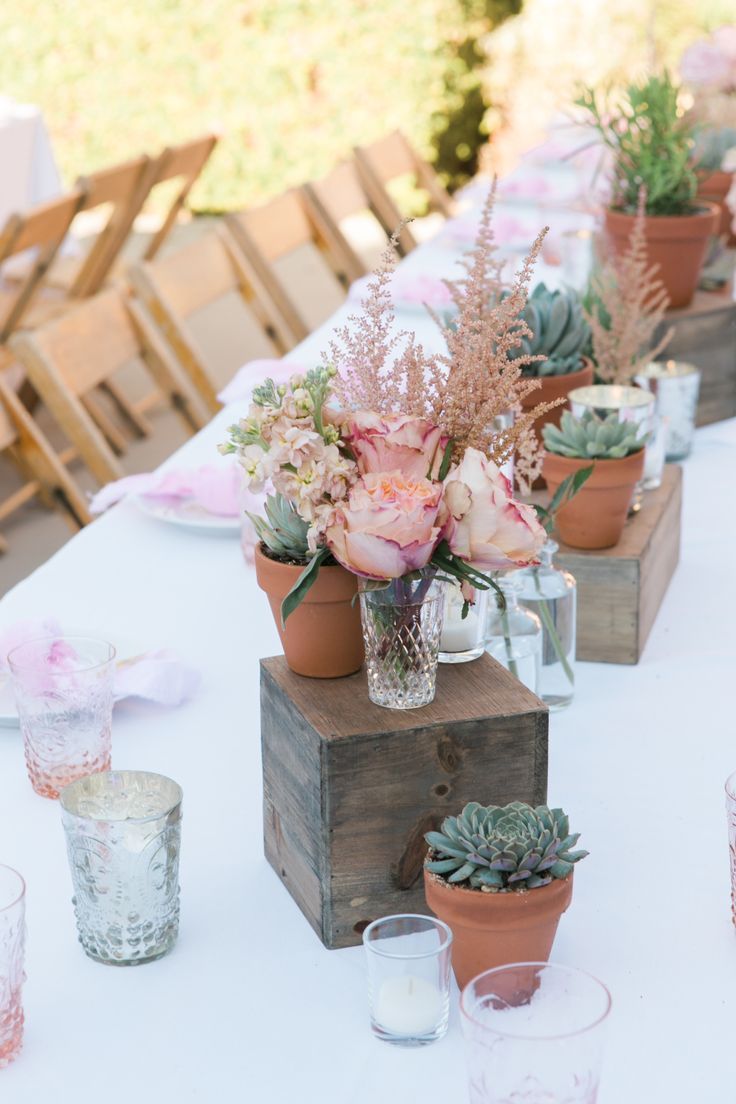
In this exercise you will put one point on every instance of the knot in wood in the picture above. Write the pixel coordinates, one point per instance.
(449, 754)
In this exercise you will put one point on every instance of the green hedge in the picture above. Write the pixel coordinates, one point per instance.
(293, 84)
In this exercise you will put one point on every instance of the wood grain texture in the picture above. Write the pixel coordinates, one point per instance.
(705, 334)
(350, 788)
(621, 589)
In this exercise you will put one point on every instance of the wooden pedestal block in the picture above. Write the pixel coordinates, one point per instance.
(621, 589)
(705, 334)
(351, 788)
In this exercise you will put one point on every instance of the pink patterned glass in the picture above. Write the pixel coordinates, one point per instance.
(64, 693)
(12, 940)
(534, 1034)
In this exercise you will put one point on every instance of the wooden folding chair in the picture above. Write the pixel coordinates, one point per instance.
(184, 162)
(271, 232)
(68, 357)
(44, 474)
(385, 161)
(174, 288)
(43, 229)
(330, 201)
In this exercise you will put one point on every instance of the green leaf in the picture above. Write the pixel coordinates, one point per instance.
(304, 583)
(446, 460)
(568, 489)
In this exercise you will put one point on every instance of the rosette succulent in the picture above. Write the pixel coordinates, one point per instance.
(504, 848)
(283, 530)
(560, 332)
(592, 438)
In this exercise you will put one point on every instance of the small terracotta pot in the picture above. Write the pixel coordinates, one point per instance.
(323, 637)
(495, 929)
(676, 243)
(713, 189)
(556, 387)
(596, 516)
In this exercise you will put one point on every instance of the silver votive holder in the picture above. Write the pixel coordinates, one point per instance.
(630, 404)
(123, 831)
(675, 385)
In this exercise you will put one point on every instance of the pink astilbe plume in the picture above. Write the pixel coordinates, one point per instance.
(629, 303)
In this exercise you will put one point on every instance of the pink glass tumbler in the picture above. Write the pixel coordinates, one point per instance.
(12, 940)
(64, 693)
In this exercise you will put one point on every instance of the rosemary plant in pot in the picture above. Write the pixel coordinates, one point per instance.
(500, 877)
(652, 147)
(595, 517)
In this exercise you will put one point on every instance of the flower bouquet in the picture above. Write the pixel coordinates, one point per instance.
(383, 466)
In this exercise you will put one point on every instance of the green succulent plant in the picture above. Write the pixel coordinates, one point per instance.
(560, 332)
(283, 531)
(592, 438)
(711, 145)
(504, 848)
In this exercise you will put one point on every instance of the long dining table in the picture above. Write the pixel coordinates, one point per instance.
(250, 1006)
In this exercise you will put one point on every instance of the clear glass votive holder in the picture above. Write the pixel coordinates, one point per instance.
(408, 978)
(12, 947)
(123, 834)
(463, 638)
(654, 454)
(534, 1032)
(675, 385)
(630, 404)
(63, 689)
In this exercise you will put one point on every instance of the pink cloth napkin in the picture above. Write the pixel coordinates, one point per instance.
(404, 289)
(255, 372)
(216, 487)
(158, 676)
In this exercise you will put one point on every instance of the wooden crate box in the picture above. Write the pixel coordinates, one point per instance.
(621, 589)
(351, 788)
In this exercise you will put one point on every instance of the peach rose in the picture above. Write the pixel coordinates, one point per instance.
(484, 524)
(388, 526)
(396, 442)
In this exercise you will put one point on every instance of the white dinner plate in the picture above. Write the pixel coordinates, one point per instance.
(188, 514)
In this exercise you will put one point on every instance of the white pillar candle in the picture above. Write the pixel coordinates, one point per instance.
(458, 635)
(408, 1006)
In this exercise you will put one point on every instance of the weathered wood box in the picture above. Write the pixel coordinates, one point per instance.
(705, 334)
(350, 788)
(621, 589)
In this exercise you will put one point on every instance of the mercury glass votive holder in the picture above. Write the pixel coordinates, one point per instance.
(534, 1032)
(12, 948)
(408, 960)
(675, 385)
(123, 833)
(63, 688)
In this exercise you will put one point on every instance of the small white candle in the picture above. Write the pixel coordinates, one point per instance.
(408, 1006)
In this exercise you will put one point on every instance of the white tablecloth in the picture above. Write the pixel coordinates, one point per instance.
(250, 1006)
(28, 172)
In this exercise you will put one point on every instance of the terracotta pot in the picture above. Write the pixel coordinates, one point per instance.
(676, 243)
(596, 516)
(555, 387)
(495, 929)
(323, 636)
(713, 189)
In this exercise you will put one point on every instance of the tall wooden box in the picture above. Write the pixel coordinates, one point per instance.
(351, 788)
(705, 334)
(620, 589)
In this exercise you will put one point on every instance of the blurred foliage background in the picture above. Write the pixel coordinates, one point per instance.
(293, 84)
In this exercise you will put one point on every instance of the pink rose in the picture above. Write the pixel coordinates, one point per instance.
(388, 526)
(396, 442)
(485, 525)
(706, 64)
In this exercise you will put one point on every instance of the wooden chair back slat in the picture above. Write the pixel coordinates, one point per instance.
(185, 161)
(196, 274)
(341, 192)
(278, 227)
(42, 228)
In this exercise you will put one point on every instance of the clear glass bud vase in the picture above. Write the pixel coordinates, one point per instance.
(551, 594)
(514, 634)
(402, 625)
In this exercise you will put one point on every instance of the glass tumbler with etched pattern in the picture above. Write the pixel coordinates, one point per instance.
(64, 693)
(534, 1034)
(123, 832)
(12, 943)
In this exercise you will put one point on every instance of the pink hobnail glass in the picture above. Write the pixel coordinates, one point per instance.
(64, 693)
(534, 1034)
(12, 940)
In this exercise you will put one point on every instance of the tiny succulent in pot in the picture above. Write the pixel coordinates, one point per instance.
(560, 335)
(282, 531)
(593, 438)
(504, 848)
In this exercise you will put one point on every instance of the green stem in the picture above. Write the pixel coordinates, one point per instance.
(513, 667)
(549, 626)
